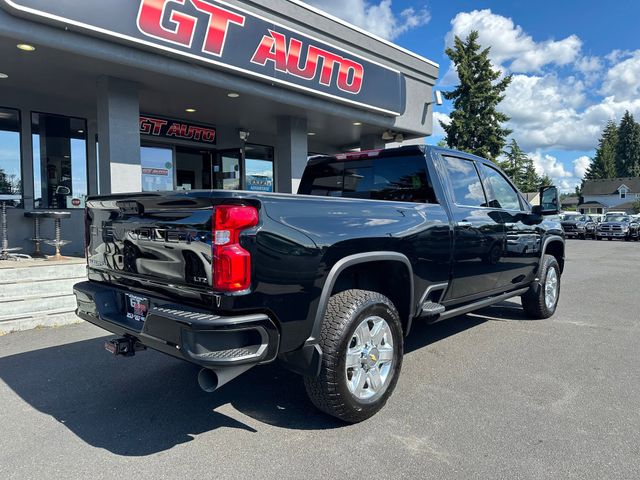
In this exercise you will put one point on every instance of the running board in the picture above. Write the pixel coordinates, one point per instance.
(478, 305)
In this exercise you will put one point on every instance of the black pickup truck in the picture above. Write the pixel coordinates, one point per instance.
(328, 281)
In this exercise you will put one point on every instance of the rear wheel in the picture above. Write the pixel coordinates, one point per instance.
(541, 301)
(362, 346)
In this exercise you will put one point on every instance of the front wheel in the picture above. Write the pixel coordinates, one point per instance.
(541, 301)
(362, 346)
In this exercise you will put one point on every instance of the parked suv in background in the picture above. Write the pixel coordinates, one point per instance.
(578, 225)
(618, 226)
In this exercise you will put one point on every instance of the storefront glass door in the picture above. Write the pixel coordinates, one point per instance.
(227, 171)
(193, 168)
(259, 168)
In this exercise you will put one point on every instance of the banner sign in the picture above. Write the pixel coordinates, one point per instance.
(176, 129)
(226, 36)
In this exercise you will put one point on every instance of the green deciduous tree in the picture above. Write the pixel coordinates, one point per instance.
(603, 164)
(476, 124)
(628, 147)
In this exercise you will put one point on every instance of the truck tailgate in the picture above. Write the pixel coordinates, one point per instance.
(160, 242)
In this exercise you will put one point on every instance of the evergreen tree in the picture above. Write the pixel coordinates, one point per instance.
(519, 167)
(515, 164)
(603, 165)
(5, 183)
(546, 181)
(628, 147)
(475, 123)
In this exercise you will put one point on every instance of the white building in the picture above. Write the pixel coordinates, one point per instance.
(600, 196)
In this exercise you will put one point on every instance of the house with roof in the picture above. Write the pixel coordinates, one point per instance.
(601, 196)
(569, 203)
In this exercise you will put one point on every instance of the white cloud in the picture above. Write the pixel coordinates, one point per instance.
(546, 164)
(616, 55)
(511, 47)
(623, 79)
(588, 65)
(548, 112)
(581, 165)
(438, 117)
(591, 69)
(565, 180)
(378, 18)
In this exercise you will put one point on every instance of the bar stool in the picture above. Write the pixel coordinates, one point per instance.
(37, 239)
(57, 242)
(6, 253)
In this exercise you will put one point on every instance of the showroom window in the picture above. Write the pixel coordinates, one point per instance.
(259, 168)
(59, 160)
(10, 158)
(157, 168)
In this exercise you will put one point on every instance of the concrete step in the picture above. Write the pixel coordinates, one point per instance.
(33, 272)
(44, 288)
(50, 318)
(25, 305)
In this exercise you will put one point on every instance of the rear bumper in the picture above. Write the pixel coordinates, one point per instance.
(208, 340)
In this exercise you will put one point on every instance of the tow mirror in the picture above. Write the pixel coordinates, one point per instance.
(549, 202)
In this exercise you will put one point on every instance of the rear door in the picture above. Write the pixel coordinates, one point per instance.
(479, 232)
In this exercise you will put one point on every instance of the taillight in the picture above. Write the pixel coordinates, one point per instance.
(231, 262)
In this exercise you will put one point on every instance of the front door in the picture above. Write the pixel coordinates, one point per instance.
(479, 232)
(228, 170)
(193, 168)
(523, 242)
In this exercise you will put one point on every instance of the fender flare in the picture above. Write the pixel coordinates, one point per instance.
(547, 241)
(308, 359)
(343, 264)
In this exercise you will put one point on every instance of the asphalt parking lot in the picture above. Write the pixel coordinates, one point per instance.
(488, 395)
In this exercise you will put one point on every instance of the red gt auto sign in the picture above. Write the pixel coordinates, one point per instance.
(226, 36)
(164, 127)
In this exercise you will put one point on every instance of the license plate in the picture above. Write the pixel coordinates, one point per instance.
(136, 307)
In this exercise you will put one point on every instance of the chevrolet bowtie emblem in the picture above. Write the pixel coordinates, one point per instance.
(373, 357)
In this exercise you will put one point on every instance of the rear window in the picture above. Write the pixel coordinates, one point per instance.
(402, 179)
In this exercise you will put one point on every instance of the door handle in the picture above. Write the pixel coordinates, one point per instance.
(464, 224)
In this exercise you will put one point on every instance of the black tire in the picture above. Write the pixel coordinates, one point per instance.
(329, 392)
(533, 302)
(609, 238)
(598, 238)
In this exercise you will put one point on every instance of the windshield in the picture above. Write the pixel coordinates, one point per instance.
(574, 217)
(617, 218)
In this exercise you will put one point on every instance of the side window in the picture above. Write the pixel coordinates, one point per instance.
(499, 191)
(465, 182)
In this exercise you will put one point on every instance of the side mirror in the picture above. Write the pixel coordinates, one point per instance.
(549, 202)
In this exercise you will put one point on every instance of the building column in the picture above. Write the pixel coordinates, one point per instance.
(291, 153)
(119, 136)
(371, 142)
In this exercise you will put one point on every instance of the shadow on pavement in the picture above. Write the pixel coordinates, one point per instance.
(152, 402)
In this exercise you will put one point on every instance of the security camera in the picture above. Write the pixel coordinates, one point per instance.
(438, 95)
(244, 135)
(388, 135)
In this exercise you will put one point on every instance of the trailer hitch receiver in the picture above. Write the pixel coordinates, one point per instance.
(125, 346)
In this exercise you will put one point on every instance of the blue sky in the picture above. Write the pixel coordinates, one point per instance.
(575, 64)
